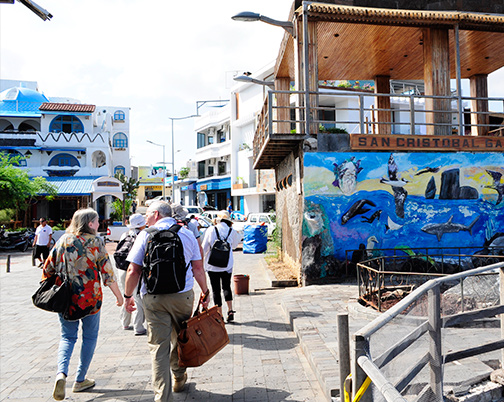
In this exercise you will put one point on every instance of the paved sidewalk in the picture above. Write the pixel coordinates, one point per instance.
(263, 361)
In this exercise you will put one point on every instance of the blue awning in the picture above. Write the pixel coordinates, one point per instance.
(72, 186)
(214, 184)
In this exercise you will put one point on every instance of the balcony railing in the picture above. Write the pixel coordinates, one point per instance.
(278, 130)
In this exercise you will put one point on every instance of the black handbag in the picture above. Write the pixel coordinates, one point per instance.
(53, 297)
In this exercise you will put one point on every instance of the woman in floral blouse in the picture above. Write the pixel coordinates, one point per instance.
(82, 254)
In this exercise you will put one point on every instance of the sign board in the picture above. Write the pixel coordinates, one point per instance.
(376, 142)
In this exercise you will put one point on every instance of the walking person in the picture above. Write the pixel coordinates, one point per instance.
(42, 241)
(81, 255)
(220, 277)
(137, 224)
(165, 310)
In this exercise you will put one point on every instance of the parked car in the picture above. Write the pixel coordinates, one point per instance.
(193, 210)
(205, 223)
(210, 214)
(114, 232)
(258, 218)
(158, 198)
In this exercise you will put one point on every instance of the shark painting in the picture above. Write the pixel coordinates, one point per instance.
(439, 229)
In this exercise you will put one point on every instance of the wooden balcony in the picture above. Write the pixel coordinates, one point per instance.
(278, 132)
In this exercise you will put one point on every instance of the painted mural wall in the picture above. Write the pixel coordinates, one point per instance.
(386, 200)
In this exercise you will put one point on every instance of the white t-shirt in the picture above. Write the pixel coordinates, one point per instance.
(43, 233)
(209, 240)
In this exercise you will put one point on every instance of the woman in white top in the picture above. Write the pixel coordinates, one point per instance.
(221, 276)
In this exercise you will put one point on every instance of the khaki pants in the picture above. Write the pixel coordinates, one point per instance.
(164, 314)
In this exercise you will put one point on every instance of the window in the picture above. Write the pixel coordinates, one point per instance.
(210, 140)
(120, 169)
(64, 160)
(210, 170)
(221, 166)
(201, 140)
(12, 153)
(221, 136)
(201, 170)
(119, 115)
(120, 140)
(66, 124)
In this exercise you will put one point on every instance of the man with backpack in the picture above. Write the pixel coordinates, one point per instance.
(137, 224)
(168, 258)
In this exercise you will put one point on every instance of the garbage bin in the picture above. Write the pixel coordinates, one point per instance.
(241, 284)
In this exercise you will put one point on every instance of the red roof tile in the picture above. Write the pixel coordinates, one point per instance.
(67, 107)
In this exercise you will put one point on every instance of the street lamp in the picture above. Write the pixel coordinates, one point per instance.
(164, 166)
(249, 16)
(173, 148)
(246, 78)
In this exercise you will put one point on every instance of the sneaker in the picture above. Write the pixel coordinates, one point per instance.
(128, 328)
(83, 385)
(230, 315)
(178, 383)
(140, 333)
(59, 387)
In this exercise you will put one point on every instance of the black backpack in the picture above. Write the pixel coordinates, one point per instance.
(123, 249)
(220, 251)
(164, 267)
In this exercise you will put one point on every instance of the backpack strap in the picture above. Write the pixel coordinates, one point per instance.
(230, 229)
(217, 233)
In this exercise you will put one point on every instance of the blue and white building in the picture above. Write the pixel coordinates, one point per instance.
(77, 147)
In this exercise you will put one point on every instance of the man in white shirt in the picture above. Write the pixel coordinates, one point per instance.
(165, 313)
(42, 241)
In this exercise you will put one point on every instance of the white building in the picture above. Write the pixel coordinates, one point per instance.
(224, 153)
(77, 147)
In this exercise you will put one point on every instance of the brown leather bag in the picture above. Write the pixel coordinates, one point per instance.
(201, 337)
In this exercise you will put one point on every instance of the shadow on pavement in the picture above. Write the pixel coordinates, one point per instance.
(261, 342)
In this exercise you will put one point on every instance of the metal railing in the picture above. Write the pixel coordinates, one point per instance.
(355, 113)
(427, 323)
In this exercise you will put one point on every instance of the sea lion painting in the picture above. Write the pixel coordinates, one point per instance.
(496, 185)
(346, 175)
(397, 185)
(358, 208)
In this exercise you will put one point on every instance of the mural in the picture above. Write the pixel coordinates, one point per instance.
(378, 200)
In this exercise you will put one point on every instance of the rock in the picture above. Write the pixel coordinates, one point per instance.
(497, 376)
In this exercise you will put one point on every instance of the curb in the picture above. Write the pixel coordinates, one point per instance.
(279, 283)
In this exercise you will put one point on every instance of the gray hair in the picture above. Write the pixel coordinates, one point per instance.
(80, 221)
(162, 207)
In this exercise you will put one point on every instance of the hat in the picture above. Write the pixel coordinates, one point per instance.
(223, 215)
(136, 221)
(178, 211)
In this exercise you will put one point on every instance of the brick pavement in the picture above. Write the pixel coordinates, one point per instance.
(263, 361)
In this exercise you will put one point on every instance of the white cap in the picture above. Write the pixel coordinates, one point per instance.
(137, 221)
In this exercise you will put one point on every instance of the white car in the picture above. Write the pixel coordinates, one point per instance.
(158, 198)
(193, 210)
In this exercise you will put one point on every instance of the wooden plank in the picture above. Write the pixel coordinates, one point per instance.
(469, 316)
(426, 143)
(479, 89)
(400, 346)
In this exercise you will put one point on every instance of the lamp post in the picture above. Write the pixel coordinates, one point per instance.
(248, 16)
(246, 78)
(173, 148)
(164, 166)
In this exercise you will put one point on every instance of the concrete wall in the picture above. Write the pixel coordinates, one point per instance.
(389, 200)
(289, 209)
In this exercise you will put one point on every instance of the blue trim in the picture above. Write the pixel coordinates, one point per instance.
(64, 160)
(73, 125)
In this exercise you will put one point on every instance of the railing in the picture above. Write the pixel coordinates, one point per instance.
(355, 112)
(405, 351)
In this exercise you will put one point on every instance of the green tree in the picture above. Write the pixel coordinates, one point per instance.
(183, 172)
(17, 190)
(130, 188)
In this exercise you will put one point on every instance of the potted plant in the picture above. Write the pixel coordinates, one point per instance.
(239, 183)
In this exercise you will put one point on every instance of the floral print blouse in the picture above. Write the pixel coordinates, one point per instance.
(86, 258)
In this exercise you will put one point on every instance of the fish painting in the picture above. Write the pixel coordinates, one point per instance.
(345, 175)
(439, 229)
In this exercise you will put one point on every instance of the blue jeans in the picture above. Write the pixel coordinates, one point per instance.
(69, 329)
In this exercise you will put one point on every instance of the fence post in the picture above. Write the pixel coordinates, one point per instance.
(435, 342)
(343, 351)
(358, 374)
(8, 264)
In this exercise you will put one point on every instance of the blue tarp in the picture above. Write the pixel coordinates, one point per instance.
(255, 239)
